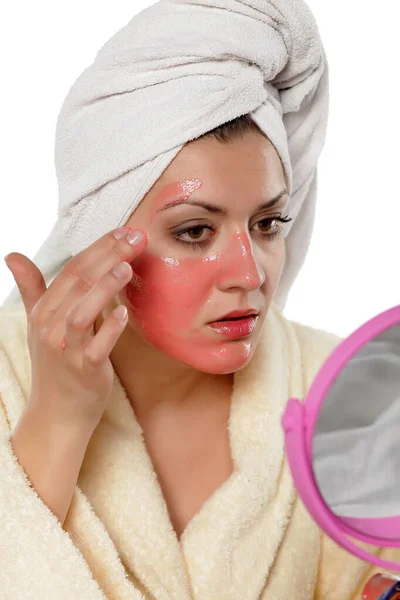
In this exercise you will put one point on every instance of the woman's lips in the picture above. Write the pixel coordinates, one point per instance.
(238, 314)
(236, 328)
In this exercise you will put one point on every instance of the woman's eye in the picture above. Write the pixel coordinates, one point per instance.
(268, 225)
(195, 232)
(195, 237)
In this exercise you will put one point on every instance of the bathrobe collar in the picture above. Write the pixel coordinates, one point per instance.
(229, 546)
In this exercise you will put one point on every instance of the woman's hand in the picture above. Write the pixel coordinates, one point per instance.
(72, 385)
(69, 387)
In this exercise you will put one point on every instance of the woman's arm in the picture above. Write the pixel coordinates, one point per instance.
(51, 457)
(39, 558)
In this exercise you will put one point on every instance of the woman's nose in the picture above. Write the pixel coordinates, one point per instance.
(239, 267)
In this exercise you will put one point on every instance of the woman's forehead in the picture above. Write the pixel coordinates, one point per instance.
(244, 172)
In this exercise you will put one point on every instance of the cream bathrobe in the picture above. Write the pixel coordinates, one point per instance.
(252, 540)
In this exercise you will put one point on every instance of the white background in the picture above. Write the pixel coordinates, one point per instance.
(351, 271)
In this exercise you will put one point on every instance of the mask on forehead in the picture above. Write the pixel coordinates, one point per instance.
(163, 80)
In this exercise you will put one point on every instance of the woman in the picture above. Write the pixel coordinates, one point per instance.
(144, 458)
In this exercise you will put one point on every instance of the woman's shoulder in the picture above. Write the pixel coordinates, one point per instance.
(13, 328)
(15, 365)
(311, 336)
(322, 340)
(314, 344)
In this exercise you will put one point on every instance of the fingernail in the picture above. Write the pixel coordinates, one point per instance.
(135, 237)
(121, 313)
(121, 270)
(5, 259)
(121, 232)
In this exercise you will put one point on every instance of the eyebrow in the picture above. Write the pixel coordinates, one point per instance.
(213, 208)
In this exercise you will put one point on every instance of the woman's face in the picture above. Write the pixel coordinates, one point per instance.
(201, 263)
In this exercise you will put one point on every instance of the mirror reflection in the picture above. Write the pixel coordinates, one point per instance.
(356, 444)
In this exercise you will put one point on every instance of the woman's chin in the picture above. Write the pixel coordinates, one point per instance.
(222, 361)
(205, 355)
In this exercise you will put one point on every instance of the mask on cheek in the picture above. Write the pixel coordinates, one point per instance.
(168, 306)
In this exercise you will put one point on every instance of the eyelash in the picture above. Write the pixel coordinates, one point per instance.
(202, 244)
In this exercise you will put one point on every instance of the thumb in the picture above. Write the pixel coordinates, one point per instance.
(28, 278)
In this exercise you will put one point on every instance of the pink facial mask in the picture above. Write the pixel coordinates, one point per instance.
(168, 299)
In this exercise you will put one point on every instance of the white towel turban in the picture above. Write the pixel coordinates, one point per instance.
(177, 70)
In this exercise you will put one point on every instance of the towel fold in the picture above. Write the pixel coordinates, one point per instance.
(177, 70)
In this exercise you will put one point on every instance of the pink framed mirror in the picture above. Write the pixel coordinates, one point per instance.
(343, 441)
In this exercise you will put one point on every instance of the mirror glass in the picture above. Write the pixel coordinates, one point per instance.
(356, 443)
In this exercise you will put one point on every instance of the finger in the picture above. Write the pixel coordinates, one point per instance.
(84, 270)
(95, 273)
(101, 345)
(81, 318)
(78, 315)
(29, 280)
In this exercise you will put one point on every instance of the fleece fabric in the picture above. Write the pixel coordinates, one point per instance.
(251, 540)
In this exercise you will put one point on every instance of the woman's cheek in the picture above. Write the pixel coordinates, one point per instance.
(168, 294)
(169, 301)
